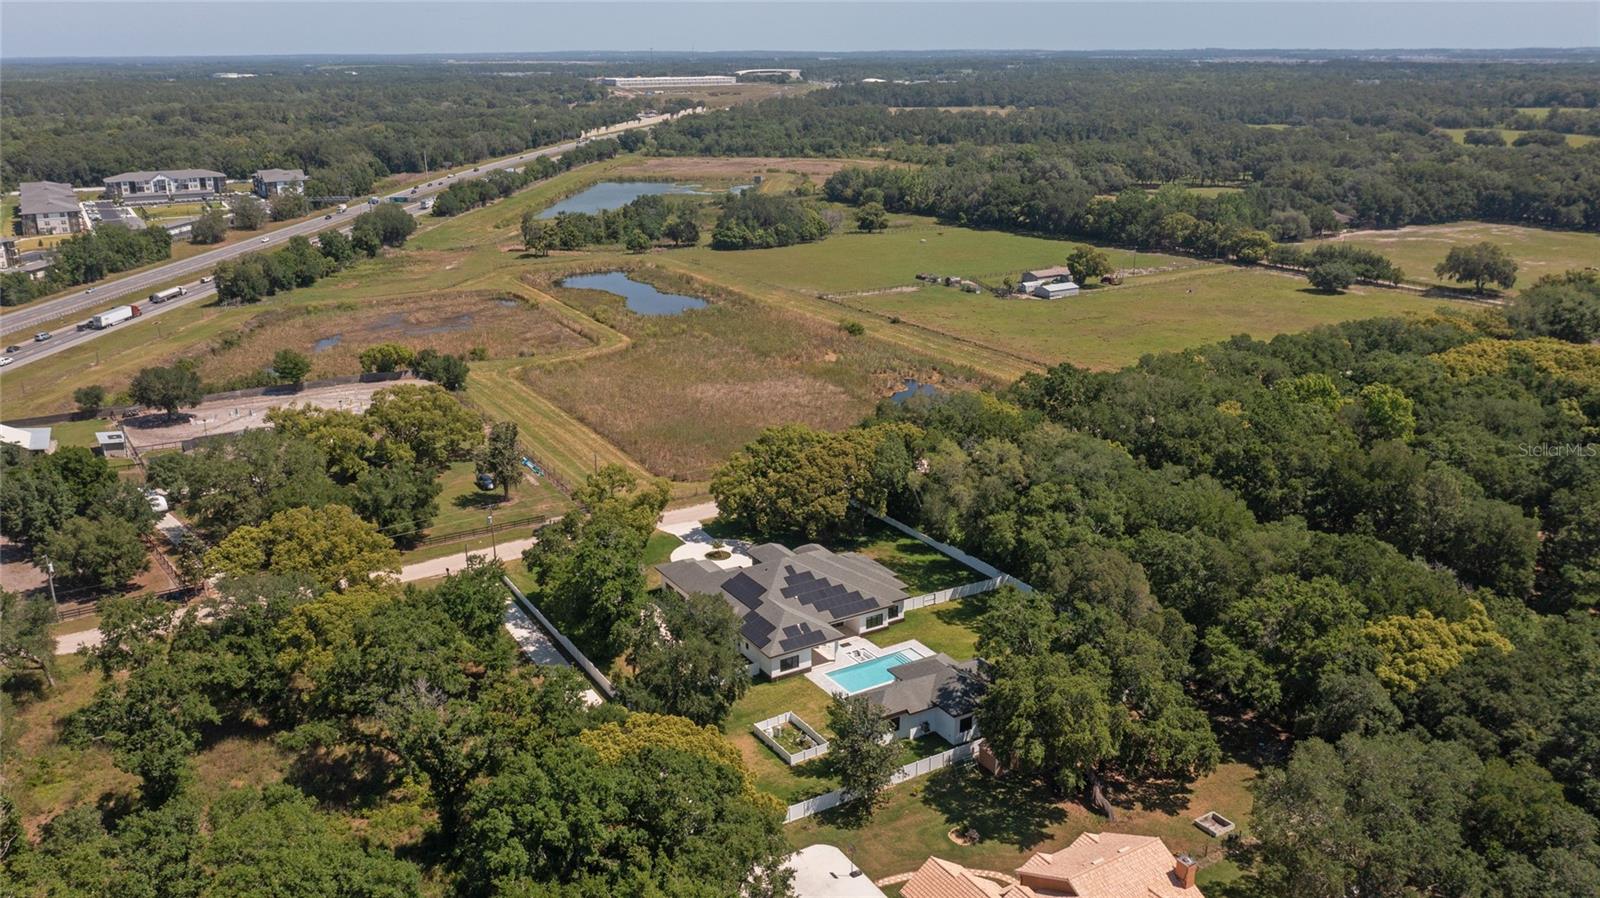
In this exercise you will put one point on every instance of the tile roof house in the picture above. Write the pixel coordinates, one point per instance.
(939, 878)
(796, 605)
(136, 186)
(49, 207)
(268, 182)
(1111, 865)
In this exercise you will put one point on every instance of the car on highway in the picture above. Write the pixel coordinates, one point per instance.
(4, 360)
(263, 240)
(42, 336)
(205, 279)
(328, 217)
(13, 349)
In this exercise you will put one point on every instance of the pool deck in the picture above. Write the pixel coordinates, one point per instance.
(857, 650)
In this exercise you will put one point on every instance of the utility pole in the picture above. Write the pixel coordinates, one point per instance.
(50, 572)
(495, 549)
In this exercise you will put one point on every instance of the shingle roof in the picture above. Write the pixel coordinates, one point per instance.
(939, 878)
(171, 173)
(1109, 865)
(41, 197)
(1058, 271)
(936, 682)
(281, 174)
(790, 600)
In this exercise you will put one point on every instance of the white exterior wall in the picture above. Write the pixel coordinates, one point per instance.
(934, 720)
(769, 666)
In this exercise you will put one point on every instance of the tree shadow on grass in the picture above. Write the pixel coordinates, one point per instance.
(343, 778)
(1014, 810)
(483, 501)
(1164, 796)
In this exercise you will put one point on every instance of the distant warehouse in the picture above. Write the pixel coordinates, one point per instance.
(657, 82)
(135, 186)
(47, 207)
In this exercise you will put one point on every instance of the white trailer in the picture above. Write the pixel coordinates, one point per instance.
(169, 293)
(111, 316)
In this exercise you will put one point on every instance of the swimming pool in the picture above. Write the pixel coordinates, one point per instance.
(870, 674)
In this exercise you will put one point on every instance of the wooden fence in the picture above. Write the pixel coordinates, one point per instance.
(961, 754)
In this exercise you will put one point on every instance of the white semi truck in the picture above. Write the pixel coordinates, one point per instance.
(169, 293)
(113, 316)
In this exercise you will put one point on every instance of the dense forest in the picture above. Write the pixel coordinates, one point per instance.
(345, 125)
(1361, 139)
(1376, 544)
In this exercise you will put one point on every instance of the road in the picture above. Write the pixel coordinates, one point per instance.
(16, 326)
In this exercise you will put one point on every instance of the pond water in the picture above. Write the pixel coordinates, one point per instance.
(641, 298)
(914, 388)
(616, 194)
(327, 343)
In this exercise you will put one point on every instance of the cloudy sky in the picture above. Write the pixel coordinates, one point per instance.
(66, 28)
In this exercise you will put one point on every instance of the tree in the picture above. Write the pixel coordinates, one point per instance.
(686, 659)
(386, 357)
(636, 242)
(249, 213)
(500, 458)
(1331, 277)
(1088, 264)
(330, 545)
(1480, 263)
(210, 227)
(683, 230)
(535, 233)
(448, 371)
(104, 551)
(872, 217)
(428, 420)
(863, 748)
(287, 205)
(1385, 413)
(385, 225)
(290, 367)
(400, 497)
(336, 246)
(1565, 306)
(1417, 648)
(90, 399)
(166, 388)
(26, 643)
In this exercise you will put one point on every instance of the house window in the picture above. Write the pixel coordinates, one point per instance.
(966, 725)
(894, 724)
(894, 612)
(789, 663)
(874, 621)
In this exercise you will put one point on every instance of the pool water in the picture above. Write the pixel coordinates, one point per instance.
(869, 674)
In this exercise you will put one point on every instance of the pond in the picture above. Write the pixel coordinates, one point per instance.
(641, 298)
(616, 194)
(327, 343)
(914, 388)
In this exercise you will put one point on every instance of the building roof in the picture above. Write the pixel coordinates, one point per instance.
(1109, 865)
(939, 878)
(271, 175)
(936, 682)
(170, 173)
(42, 197)
(790, 600)
(823, 871)
(33, 439)
(1044, 274)
(1058, 287)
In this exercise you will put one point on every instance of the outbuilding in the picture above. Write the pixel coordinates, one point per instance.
(1056, 290)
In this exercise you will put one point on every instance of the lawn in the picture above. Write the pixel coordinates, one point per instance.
(1109, 327)
(851, 262)
(1538, 251)
(947, 627)
(1015, 819)
(922, 568)
(78, 433)
(464, 507)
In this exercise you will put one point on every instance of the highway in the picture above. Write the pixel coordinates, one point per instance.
(19, 326)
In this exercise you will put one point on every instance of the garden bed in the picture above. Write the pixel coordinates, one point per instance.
(791, 738)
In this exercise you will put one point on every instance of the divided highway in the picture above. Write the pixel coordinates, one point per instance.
(18, 326)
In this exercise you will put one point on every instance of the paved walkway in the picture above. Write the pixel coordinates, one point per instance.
(537, 645)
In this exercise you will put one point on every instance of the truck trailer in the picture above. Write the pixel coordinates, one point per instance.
(113, 316)
(169, 293)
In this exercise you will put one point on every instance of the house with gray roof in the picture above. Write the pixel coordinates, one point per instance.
(796, 605)
(151, 186)
(49, 207)
(269, 182)
(936, 694)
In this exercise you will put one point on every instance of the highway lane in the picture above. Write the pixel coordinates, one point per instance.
(136, 287)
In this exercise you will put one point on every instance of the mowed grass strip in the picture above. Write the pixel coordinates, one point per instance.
(1537, 251)
(1108, 327)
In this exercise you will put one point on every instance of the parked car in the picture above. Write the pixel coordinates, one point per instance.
(41, 336)
(485, 482)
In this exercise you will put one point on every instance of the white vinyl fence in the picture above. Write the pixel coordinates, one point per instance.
(961, 754)
(955, 592)
(819, 745)
(977, 564)
(600, 681)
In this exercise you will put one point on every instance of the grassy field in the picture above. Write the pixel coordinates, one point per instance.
(1108, 327)
(462, 506)
(1014, 819)
(1538, 251)
(1459, 135)
(922, 568)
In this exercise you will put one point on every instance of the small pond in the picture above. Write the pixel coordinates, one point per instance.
(616, 194)
(914, 388)
(641, 298)
(327, 343)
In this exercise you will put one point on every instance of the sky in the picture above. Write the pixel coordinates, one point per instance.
(122, 28)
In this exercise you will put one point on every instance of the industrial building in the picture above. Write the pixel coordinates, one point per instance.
(660, 82)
